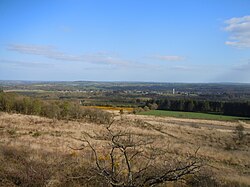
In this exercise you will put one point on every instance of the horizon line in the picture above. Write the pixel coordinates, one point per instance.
(122, 81)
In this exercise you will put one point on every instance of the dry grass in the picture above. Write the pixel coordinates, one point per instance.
(178, 136)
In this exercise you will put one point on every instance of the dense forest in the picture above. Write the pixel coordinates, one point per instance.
(191, 105)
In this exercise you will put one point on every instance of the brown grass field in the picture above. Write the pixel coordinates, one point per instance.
(48, 142)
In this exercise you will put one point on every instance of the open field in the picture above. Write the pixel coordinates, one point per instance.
(228, 162)
(192, 115)
(109, 108)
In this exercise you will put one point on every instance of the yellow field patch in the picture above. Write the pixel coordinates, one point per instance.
(128, 109)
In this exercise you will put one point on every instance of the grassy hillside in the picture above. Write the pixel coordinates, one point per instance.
(38, 151)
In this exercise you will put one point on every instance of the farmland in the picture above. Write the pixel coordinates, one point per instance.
(192, 115)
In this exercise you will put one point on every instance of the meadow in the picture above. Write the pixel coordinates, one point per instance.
(192, 115)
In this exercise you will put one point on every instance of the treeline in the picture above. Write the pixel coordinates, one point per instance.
(13, 103)
(226, 108)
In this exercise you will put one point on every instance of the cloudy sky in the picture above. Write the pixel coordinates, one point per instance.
(125, 40)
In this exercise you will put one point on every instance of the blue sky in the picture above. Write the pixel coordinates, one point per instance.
(125, 40)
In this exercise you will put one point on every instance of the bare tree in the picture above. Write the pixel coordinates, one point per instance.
(132, 160)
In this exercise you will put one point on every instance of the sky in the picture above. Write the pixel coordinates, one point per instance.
(125, 40)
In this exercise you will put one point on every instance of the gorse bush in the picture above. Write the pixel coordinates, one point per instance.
(10, 102)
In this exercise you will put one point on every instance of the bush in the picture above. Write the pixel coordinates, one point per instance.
(152, 106)
(19, 169)
(55, 110)
(97, 115)
(51, 110)
(132, 160)
(146, 108)
(239, 131)
(137, 110)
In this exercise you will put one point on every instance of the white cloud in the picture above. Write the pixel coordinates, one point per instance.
(168, 58)
(52, 53)
(104, 60)
(18, 63)
(239, 29)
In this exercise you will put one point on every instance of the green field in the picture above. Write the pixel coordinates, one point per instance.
(192, 115)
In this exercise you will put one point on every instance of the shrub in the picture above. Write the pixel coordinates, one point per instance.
(19, 169)
(239, 131)
(130, 160)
